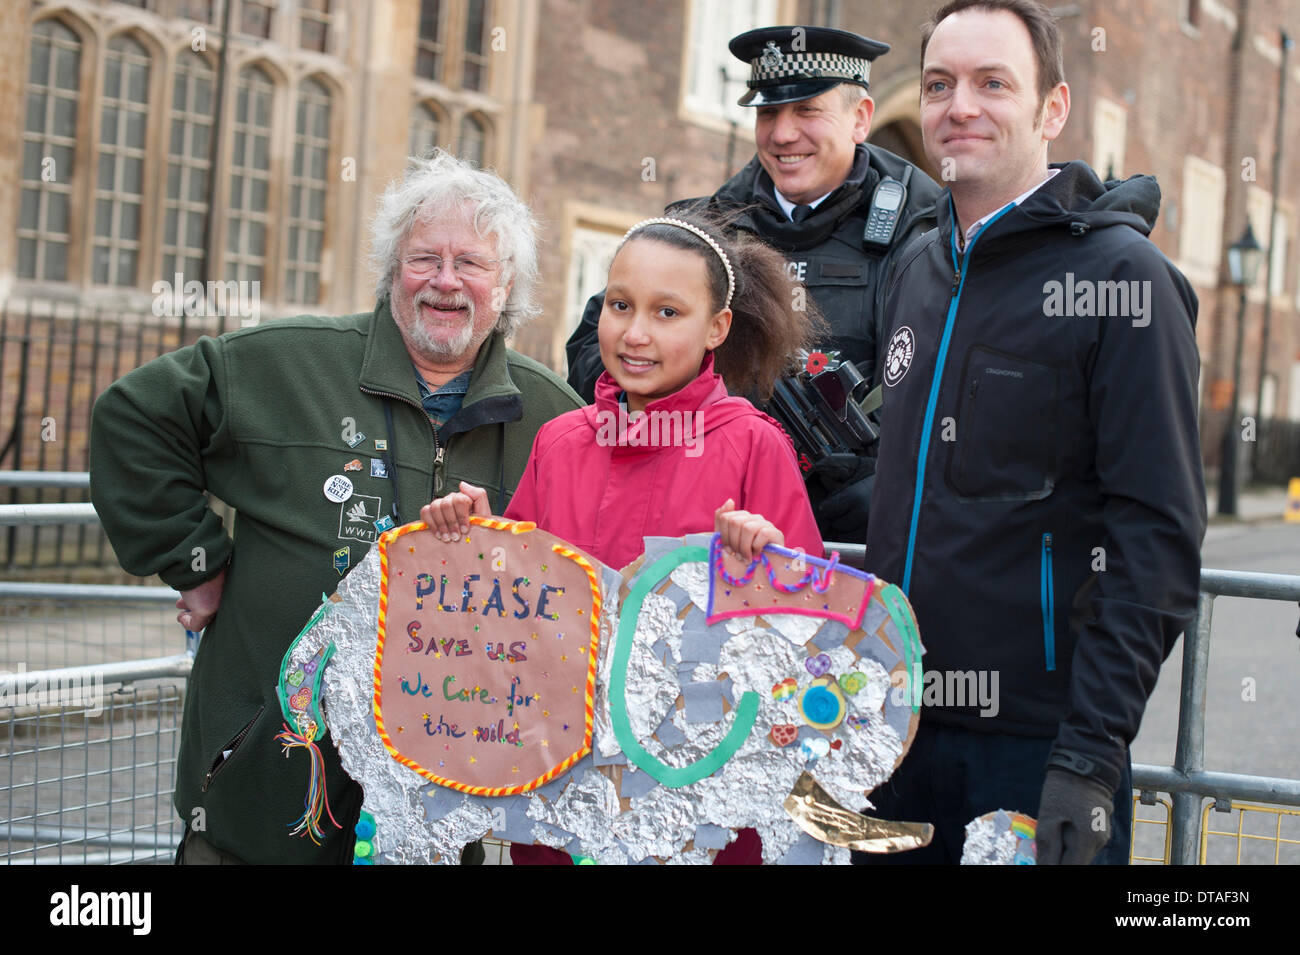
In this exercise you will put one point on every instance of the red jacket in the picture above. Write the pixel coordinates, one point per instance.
(603, 484)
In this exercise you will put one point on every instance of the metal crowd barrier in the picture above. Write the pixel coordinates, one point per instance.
(121, 761)
(1187, 780)
(88, 766)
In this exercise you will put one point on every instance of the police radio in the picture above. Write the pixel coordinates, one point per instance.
(886, 206)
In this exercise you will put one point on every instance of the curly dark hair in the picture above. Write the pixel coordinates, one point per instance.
(772, 317)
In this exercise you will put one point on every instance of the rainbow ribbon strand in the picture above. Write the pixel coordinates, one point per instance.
(317, 798)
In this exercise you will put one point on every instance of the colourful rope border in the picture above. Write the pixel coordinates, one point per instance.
(515, 527)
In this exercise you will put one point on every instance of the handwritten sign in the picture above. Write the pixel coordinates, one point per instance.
(486, 661)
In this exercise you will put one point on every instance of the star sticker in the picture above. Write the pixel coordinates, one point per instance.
(411, 549)
(401, 729)
(473, 759)
(424, 716)
(536, 696)
(476, 732)
(546, 712)
(575, 689)
(546, 743)
(514, 769)
(564, 657)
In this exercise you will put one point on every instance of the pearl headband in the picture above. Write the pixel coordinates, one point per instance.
(726, 264)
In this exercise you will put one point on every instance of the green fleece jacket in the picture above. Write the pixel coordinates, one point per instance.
(261, 418)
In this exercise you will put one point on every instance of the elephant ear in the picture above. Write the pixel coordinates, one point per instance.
(485, 664)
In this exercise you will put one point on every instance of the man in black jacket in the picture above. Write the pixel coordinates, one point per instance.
(809, 192)
(1039, 496)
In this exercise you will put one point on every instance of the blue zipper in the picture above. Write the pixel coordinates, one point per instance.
(928, 426)
(1047, 597)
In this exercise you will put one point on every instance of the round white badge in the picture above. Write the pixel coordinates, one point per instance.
(338, 489)
(898, 357)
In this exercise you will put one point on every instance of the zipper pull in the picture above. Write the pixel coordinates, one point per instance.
(956, 282)
(437, 458)
(1047, 542)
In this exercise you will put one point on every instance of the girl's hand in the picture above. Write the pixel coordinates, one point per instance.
(448, 517)
(743, 533)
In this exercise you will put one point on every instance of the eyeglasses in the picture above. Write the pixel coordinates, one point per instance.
(465, 266)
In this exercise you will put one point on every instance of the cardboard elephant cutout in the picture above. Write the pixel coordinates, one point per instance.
(507, 684)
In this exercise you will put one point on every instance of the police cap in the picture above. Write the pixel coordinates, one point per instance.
(795, 63)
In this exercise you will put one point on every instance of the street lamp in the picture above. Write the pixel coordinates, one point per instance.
(1244, 257)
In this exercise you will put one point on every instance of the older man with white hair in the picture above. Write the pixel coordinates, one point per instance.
(321, 432)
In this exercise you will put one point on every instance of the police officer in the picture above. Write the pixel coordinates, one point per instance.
(839, 209)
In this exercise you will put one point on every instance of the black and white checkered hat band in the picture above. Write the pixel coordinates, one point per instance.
(806, 66)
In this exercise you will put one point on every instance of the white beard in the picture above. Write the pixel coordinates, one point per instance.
(406, 312)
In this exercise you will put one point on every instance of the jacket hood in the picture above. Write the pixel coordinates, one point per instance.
(1075, 199)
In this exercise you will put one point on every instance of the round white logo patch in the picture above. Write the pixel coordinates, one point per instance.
(338, 489)
(898, 357)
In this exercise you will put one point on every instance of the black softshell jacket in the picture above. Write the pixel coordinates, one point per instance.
(1039, 493)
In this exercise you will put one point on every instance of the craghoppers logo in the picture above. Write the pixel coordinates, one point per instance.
(898, 357)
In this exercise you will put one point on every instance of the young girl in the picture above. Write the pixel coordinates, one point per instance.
(665, 451)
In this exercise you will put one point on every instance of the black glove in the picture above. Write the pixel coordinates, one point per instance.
(1073, 818)
(839, 486)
